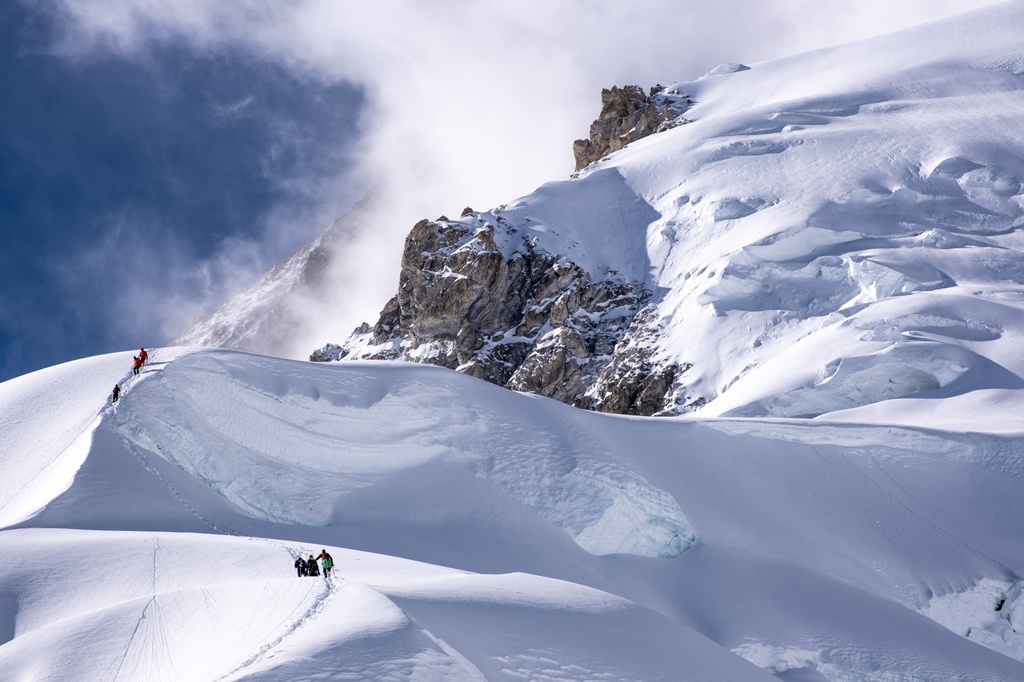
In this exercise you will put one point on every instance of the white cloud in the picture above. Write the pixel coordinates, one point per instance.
(473, 103)
(232, 110)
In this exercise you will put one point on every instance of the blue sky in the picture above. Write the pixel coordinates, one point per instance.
(156, 157)
(119, 176)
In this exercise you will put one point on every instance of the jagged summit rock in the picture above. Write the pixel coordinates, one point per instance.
(491, 296)
(627, 115)
(509, 312)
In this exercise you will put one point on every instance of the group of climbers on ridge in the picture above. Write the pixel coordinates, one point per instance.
(303, 567)
(138, 361)
(309, 567)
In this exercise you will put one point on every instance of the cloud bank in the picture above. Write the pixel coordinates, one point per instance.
(466, 103)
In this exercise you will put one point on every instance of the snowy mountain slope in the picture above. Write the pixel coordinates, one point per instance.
(273, 316)
(869, 192)
(863, 199)
(835, 235)
(56, 411)
(193, 607)
(826, 232)
(842, 550)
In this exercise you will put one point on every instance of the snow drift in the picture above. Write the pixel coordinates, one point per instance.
(579, 544)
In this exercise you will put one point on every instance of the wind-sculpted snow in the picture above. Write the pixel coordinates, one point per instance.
(849, 551)
(301, 437)
(953, 234)
(806, 191)
(192, 607)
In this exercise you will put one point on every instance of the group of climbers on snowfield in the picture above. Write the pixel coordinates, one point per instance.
(138, 361)
(309, 567)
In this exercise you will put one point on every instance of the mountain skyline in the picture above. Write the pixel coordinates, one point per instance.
(795, 238)
(158, 158)
(826, 248)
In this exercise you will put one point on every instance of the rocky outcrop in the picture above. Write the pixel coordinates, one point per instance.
(627, 115)
(637, 380)
(480, 296)
(531, 320)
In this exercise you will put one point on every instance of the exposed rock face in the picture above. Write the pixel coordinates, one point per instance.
(627, 115)
(479, 296)
(531, 321)
(636, 381)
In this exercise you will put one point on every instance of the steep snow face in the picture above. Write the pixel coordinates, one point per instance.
(844, 227)
(304, 436)
(601, 227)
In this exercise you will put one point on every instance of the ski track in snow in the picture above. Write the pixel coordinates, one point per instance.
(147, 614)
(314, 609)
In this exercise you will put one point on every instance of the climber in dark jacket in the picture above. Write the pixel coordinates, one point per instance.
(300, 566)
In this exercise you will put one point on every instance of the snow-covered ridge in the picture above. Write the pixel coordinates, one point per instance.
(309, 433)
(829, 231)
(565, 532)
